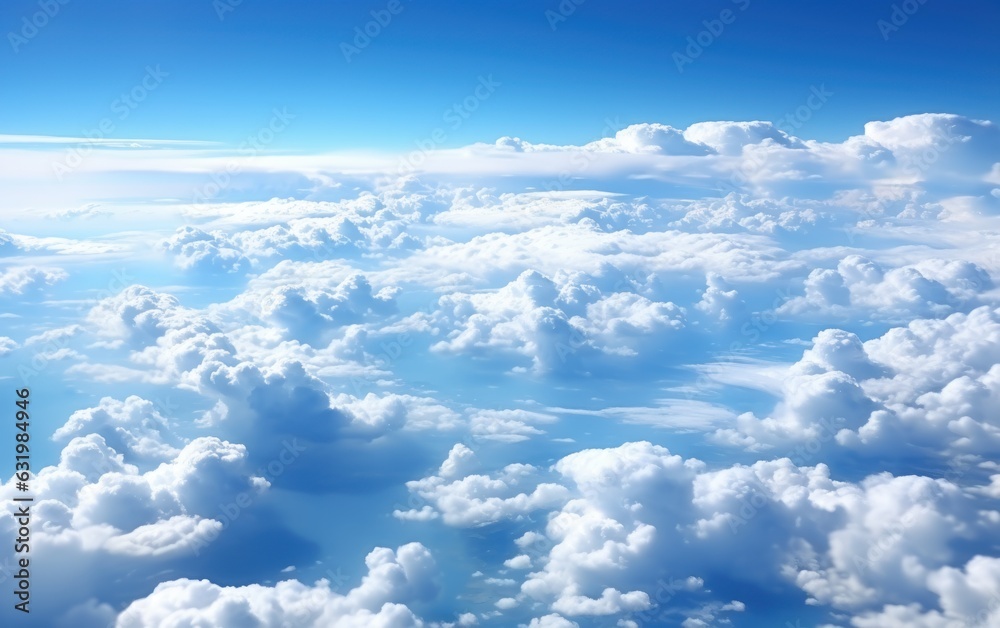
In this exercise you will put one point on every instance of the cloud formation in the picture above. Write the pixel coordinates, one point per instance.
(667, 377)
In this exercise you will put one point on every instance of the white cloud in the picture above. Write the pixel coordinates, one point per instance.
(817, 399)
(196, 249)
(968, 597)
(394, 579)
(508, 426)
(555, 325)
(729, 138)
(460, 457)
(599, 276)
(860, 286)
(552, 621)
(638, 510)
(134, 427)
(944, 382)
(95, 513)
(929, 384)
(718, 300)
(654, 138)
(19, 280)
(475, 500)
(521, 561)
(7, 345)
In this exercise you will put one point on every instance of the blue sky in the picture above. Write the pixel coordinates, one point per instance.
(604, 61)
(534, 315)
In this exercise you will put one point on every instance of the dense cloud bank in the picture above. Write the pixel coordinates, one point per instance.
(671, 377)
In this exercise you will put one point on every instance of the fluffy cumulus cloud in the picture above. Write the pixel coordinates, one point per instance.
(196, 249)
(7, 345)
(309, 312)
(393, 579)
(188, 348)
(556, 326)
(927, 387)
(967, 597)
(729, 138)
(639, 516)
(18, 280)
(817, 398)
(920, 132)
(96, 513)
(654, 138)
(100, 501)
(667, 377)
(736, 213)
(945, 381)
(133, 427)
(861, 285)
(314, 231)
(702, 138)
(514, 492)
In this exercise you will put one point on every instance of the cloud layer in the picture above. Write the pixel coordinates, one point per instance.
(667, 377)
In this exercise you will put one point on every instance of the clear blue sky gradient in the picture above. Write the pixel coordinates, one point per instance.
(606, 60)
